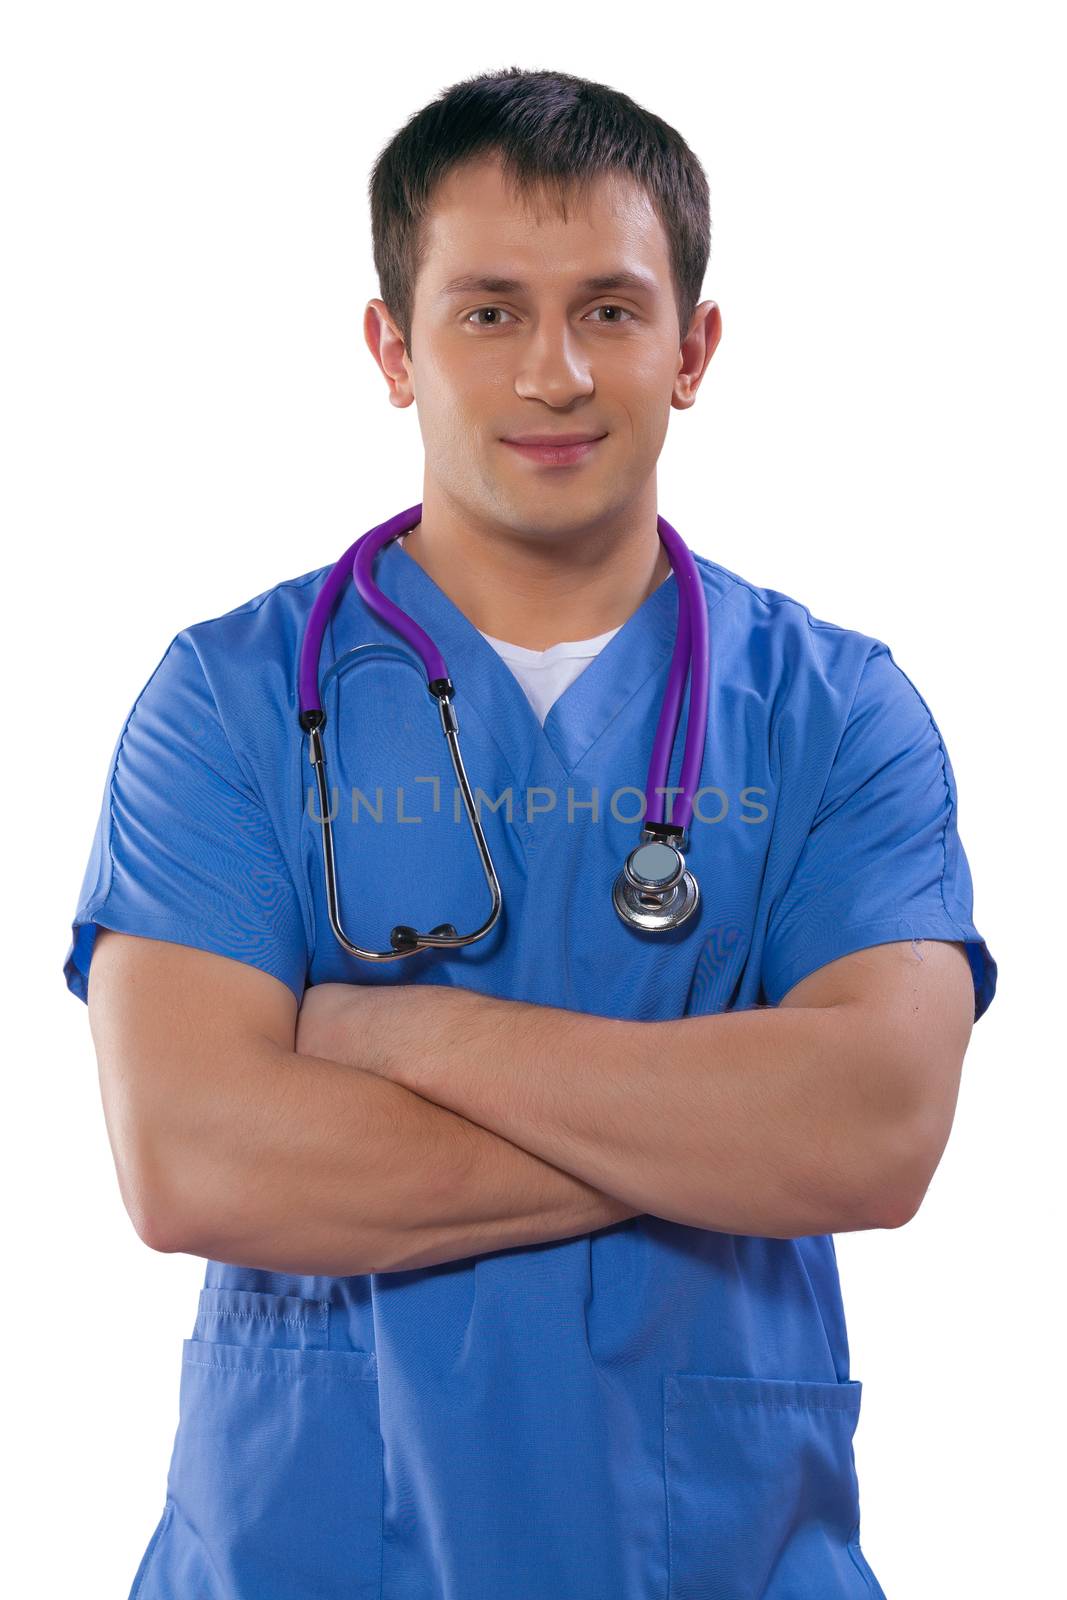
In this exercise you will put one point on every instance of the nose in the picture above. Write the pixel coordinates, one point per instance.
(553, 367)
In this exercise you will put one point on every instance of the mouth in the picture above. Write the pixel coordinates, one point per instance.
(553, 453)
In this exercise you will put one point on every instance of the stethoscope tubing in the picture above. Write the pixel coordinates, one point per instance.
(654, 892)
(690, 658)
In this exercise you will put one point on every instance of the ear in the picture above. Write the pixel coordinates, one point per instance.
(386, 344)
(697, 349)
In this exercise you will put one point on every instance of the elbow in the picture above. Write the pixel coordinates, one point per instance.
(157, 1220)
(890, 1200)
(158, 1227)
(897, 1211)
(161, 1235)
(144, 1167)
(909, 1158)
(882, 1206)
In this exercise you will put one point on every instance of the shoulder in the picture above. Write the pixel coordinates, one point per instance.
(243, 659)
(267, 623)
(229, 682)
(816, 680)
(778, 634)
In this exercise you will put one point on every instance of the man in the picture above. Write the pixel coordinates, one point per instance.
(520, 1272)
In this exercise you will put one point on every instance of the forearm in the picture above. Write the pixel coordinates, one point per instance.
(776, 1122)
(310, 1165)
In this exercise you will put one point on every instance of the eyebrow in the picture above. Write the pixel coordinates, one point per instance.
(473, 282)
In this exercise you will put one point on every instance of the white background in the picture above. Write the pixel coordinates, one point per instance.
(190, 415)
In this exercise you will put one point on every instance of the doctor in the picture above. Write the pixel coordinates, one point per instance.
(520, 1279)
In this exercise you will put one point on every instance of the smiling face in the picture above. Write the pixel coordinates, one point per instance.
(526, 324)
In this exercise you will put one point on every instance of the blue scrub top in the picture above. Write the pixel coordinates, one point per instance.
(647, 1411)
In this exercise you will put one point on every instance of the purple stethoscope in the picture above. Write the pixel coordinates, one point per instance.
(654, 892)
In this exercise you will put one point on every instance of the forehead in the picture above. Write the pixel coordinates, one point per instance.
(477, 221)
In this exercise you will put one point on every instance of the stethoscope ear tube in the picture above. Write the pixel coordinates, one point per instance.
(690, 659)
(654, 892)
(404, 940)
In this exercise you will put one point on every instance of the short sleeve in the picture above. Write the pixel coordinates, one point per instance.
(883, 859)
(184, 850)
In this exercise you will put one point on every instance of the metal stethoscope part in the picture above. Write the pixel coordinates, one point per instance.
(654, 892)
(404, 940)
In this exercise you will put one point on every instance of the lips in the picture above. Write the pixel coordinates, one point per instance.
(555, 440)
(562, 451)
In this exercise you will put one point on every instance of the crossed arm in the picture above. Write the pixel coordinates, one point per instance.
(403, 1126)
(827, 1113)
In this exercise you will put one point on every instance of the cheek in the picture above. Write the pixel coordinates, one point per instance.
(453, 426)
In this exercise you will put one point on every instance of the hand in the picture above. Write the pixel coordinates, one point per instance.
(332, 1021)
(397, 1031)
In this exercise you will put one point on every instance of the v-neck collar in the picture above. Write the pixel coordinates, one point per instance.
(641, 647)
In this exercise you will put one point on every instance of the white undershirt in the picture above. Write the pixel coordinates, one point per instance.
(544, 674)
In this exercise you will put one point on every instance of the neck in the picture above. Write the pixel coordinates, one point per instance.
(535, 589)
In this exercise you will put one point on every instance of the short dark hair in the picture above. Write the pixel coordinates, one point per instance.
(548, 129)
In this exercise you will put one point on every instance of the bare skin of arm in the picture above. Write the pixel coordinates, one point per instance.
(231, 1145)
(826, 1113)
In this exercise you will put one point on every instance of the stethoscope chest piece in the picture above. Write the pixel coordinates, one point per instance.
(654, 891)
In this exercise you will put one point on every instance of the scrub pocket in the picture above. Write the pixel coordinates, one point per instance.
(762, 1497)
(275, 1483)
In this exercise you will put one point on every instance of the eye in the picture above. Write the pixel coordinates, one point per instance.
(497, 310)
(615, 308)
